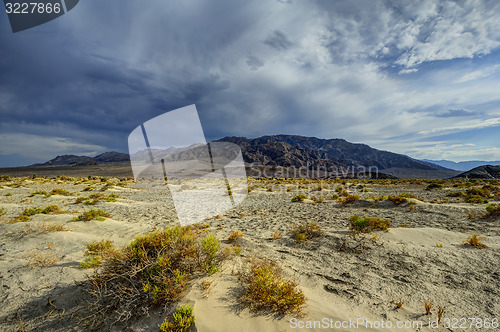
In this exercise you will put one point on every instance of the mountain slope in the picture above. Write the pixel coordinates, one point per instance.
(462, 165)
(297, 151)
(69, 159)
(482, 172)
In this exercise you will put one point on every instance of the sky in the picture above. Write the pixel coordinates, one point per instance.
(421, 78)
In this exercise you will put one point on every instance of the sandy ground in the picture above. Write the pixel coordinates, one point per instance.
(421, 258)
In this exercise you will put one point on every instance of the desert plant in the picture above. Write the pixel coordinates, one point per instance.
(28, 212)
(180, 321)
(95, 252)
(2, 211)
(433, 185)
(475, 241)
(440, 313)
(299, 198)
(234, 236)
(276, 235)
(152, 271)
(99, 215)
(41, 258)
(349, 199)
(39, 192)
(399, 304)
(427, 307)
(397, 199)
(266, 288)
(60, 192)
(492, 211)
(359, 224)
(211, 247)
(305, 231)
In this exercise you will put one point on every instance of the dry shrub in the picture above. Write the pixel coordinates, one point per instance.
(305, 231)
(475, 241)
(359, 224)
(276, 235)
(399, 304)
(45, 228)
(440, 313)
(152, 271)
(61, 192)
(234, 236)
(427, 307)
(266, 288)
(41, 258)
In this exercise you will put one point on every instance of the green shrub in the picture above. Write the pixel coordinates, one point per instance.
(180, 321)
(93, 214)
(211, 246)
(2, 211)
(39, 192)
(95, 252)
(266, 288)
(359, 224)
(153, 271)
(61, 192)
(28, 212)
(493, 211)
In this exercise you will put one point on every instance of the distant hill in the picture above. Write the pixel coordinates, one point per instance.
(300, 151)
(462, 165)
(482, 172)
(69, 159)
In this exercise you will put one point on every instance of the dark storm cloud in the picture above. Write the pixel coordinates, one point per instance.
(278, 40)
(254, 63)
(81, 83)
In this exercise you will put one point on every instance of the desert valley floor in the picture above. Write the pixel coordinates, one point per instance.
(344, 275)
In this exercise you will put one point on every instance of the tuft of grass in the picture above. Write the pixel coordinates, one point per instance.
(99, 215)
(427, 307)
(60, 192)
(152, 271)
(276, 235)
(8, 194)
(41, 258)
(234, 236)
(299, 198)
(359, 224)
(2, 211)
(475, 241)
(399, 304)
(267, 289)
(180, 321)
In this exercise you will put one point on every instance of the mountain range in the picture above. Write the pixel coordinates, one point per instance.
(292, 151)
